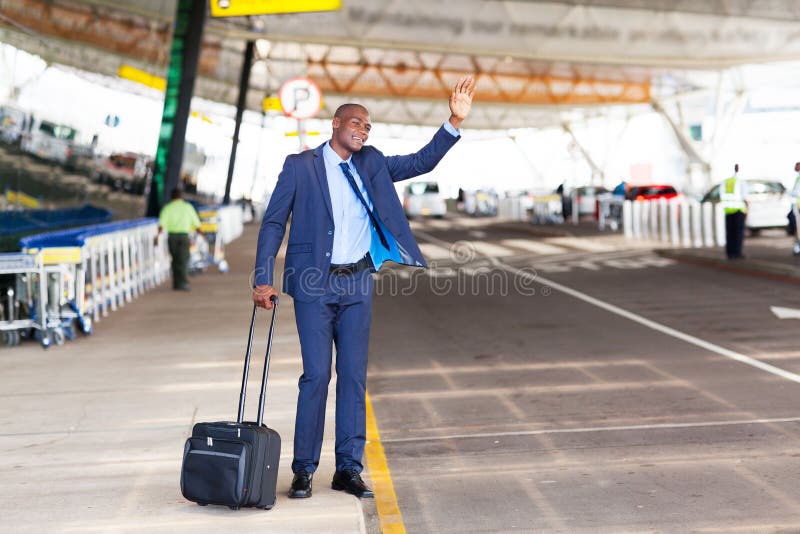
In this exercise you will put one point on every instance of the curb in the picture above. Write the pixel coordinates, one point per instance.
(768, 269)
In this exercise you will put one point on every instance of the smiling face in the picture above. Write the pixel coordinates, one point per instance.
(351, 128)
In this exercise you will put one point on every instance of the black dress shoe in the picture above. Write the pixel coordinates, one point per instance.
(301, 485)
(350, 481)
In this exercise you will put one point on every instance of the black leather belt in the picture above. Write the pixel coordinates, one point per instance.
(352, 268)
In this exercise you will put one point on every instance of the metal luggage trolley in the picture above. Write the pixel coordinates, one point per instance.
(208, 246)
(92, 270)
(32, 298)
(18, 311)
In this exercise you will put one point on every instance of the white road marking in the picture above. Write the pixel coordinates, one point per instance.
(654, 325)
(434, 252)
(580, 244)
(785, 313)
(621, 428)
(488, 249)
(736, 356)
(533, 246)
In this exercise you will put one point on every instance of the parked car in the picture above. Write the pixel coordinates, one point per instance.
(126, 171)
(768, 203)
(423, 199)
(651, 192)
(49, 141)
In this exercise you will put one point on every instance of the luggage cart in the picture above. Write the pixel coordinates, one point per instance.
(207, 246)
(23, 311)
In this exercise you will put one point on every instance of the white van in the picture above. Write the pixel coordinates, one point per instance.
(423, 199)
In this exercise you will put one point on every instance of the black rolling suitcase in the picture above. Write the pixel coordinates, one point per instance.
(234, 463)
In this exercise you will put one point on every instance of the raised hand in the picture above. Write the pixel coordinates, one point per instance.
(461, 100)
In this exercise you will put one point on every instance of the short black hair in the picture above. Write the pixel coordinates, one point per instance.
(344, 108)
(176, 193)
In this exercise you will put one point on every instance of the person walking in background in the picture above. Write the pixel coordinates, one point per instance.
(179, 219)
(346, 221)
(732, 195)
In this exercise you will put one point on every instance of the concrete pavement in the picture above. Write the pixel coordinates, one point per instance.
(93, 431)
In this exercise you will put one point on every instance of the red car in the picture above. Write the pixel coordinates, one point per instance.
(651, 192)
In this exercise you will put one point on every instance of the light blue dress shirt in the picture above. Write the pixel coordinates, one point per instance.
(351, 234)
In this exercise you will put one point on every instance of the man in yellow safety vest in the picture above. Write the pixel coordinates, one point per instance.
(732, 194)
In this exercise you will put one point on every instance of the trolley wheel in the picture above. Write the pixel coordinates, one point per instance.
(85, 324)
(45, 340)
(223, 266)
(58, 336)
(16, 338)
(8, 338)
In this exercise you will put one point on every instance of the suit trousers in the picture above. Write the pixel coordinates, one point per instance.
(734, 234)
(341, 317)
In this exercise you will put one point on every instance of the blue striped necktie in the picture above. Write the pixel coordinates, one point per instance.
(352, 181)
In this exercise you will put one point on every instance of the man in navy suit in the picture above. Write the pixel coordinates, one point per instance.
(347, 221)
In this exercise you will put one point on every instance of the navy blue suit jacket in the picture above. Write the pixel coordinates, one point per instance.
(302, 192)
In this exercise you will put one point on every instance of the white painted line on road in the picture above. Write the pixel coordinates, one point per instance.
(785, 313)
(504, 367)
(489, 249)
(777, 371)
(621, 428)
(580, 244)
(583, 387)
(654, 325)
(434, 252)
(533, 246)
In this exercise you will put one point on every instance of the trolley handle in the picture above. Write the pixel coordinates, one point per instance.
(262, 398)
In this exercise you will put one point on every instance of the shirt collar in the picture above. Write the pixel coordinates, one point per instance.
(332, 157)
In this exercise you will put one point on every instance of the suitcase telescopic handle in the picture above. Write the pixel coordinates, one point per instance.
(261, 400)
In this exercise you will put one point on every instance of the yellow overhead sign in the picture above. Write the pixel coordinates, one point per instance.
(241, 8)
(145, 78)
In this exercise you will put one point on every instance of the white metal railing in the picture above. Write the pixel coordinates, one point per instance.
(680, 222)
(87, 272)
(82, 274)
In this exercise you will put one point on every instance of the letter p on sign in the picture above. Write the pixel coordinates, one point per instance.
(300, 98)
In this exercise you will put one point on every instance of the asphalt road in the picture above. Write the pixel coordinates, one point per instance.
(530, 384)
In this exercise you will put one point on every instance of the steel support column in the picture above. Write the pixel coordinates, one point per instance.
(244, 82)
(187, 35)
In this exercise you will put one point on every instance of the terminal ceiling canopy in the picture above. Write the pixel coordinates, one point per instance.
(399, 56)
